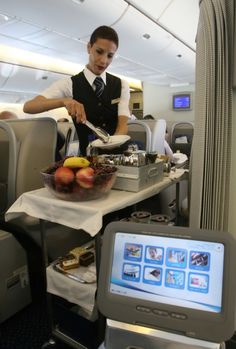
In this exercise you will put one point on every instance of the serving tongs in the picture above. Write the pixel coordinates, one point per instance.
(98, 131)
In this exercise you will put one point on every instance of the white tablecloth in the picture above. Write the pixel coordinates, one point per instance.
(86, 215)
(73, 291)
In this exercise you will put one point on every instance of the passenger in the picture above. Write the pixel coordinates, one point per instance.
(168, 150)
(5, 115)
(106, 106)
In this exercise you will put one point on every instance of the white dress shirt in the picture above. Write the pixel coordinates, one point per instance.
(63, 88)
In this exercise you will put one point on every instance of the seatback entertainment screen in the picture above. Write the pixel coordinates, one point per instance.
(177, 279)
(186, 273)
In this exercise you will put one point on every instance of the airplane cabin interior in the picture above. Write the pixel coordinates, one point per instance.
(117, 209)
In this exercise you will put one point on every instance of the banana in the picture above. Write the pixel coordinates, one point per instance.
(76, 161)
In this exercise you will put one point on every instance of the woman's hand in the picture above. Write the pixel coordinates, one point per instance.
(75, 110)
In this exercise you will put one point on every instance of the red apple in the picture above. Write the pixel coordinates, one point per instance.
(64, 175)
(85, 177)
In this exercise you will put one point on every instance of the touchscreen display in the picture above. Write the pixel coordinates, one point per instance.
(180, 272)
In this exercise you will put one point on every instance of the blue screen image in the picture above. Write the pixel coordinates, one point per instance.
(168, 270)
(181, 102)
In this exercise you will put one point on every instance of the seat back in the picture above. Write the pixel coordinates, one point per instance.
(140, 131)
(184, 132)
(8, 160)
(32, 143)
(66, 129)
(31, 147)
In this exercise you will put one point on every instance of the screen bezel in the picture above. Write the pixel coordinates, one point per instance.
(179, 95)
(200, 324)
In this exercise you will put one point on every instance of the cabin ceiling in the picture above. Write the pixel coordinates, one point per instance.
(61, 29)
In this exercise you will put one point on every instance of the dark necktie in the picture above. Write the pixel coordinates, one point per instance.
(98, 82)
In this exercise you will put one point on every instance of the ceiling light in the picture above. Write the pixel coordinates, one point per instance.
(146, 36)
(159, 76)
(6, 18)
(78, 2)
(179, 84)
(8, 70)
(18, 56)
(15, 56)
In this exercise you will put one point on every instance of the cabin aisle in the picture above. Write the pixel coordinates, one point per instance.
(28, 329)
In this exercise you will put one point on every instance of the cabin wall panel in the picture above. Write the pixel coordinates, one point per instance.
(157, 101)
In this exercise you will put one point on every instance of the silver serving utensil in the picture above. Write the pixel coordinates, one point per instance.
(99, 132)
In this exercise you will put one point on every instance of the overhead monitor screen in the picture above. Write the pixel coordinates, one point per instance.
(182, 272)
(182, 101)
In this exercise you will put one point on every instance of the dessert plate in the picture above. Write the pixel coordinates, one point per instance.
(179, 159)
(114, 141)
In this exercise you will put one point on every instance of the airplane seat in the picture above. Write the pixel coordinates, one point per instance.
(4, 149)
(26, 147)
(8, 156)
(182, 137)
(32, 145)
(15, 291)
(139, 131)
(67, 139)
(37, 139)
(168, 196)
(71, 146)
(65, 129)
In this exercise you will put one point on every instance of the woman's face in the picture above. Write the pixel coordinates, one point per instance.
(101, 54)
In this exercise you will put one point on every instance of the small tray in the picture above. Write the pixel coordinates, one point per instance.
(84, 275)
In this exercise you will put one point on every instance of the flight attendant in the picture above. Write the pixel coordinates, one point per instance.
(92, 94)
